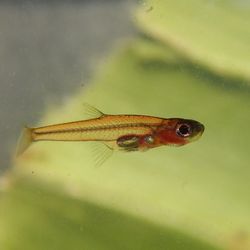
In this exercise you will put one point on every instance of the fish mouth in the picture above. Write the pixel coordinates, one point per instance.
(200, 128)
(197, 131)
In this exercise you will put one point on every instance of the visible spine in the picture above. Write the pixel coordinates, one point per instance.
(103, 129)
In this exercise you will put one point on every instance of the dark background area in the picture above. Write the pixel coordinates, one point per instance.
(48, 50)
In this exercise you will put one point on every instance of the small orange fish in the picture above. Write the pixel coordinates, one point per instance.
(124, 132)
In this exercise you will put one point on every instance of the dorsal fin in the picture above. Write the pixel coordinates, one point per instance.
(91, 111)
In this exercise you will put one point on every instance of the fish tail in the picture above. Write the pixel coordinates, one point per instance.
(24, 141)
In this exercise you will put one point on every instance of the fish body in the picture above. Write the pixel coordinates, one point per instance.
(125, 132)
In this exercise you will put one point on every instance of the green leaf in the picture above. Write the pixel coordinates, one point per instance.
(214, 34)
(42, 219)
(187, 195)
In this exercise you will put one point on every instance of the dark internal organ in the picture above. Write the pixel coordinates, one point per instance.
(135, 142)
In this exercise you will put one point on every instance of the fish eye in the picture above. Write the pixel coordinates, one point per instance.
(183, 130)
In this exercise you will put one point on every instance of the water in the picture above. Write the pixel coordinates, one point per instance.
(48, 50)
(178, 59)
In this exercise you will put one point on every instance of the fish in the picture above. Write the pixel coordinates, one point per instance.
(126, 132)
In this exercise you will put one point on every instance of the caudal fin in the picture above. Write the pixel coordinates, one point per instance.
(24, 141)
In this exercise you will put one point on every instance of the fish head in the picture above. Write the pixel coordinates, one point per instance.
(178, 131)
(189, 130)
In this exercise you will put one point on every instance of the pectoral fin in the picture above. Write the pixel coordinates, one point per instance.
(101, 152)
